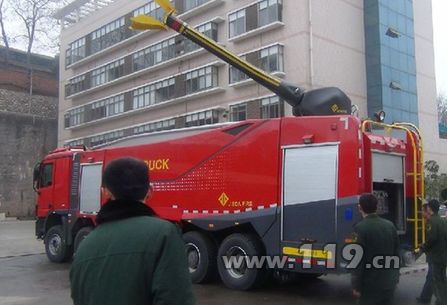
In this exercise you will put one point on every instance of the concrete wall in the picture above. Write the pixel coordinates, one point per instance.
(28, 131)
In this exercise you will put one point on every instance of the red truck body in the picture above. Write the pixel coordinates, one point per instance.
(285, 187)
(240, 178)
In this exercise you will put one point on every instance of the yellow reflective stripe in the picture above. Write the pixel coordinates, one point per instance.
(307, 253)
(265, 77)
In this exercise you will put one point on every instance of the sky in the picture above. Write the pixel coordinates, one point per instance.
(440, 40)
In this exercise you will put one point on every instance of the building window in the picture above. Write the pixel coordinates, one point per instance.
(237, 75)
(154, 93)
(155, 126)
(107, 73)
(75, 85)
(270, 59)
(395, 85)
(208, 29)
(237, 23)
(74, 117)
(154, 55)
(68, 60)
(201, 79)
(152, 9)
(190, 4)
(98, 76)
(76, 51)
(106, 138)
(238, 112)
(202, 118)
(108, 107)
(393, 33)
(269, 11)
(108, 35)
(116, 31)
(167, 50)
(271, 107)
(74, 143)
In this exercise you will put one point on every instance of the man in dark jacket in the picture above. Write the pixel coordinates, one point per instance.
(435, 248)
(131, 257)
(373, 281)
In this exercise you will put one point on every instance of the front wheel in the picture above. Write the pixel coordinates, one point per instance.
(56, 245)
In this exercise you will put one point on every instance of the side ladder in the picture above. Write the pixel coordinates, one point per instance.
(417, 219)
(416, 174)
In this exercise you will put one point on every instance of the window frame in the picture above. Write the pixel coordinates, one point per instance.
(44, 175)
(237, 110)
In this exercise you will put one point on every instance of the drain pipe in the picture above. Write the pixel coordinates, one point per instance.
(311, 46)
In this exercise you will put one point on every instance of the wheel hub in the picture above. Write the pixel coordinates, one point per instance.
(239, 267)
(55, 244)
(193, 255)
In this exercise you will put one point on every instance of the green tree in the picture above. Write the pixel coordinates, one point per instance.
(435, 182)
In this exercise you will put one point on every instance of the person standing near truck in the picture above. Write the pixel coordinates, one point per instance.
(131, 257)
(435, 247)
(375, 285)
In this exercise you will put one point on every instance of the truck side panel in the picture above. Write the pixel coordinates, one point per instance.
(217, 172)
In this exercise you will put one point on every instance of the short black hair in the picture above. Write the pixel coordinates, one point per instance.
(127, 178)
(368, 203)
(433, 205)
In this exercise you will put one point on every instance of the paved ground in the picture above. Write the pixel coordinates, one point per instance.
(26, 277)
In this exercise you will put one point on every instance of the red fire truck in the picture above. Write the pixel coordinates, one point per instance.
(253, 188)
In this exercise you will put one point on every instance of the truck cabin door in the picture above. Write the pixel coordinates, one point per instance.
(309, 197)
(45, 185)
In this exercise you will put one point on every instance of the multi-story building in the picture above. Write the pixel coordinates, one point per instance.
(116, 82)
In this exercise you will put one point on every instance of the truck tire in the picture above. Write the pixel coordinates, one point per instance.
(82, 233)
(56, 245)
(201, 252)
(241, 278)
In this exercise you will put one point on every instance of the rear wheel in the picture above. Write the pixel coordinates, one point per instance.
(56, 245)
(235, 249)
(80, 236)
(201, 252)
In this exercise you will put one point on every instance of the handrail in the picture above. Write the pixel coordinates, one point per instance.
(402, 126)
(422, 157)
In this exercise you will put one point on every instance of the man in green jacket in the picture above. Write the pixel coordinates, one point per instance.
(132, 257)
(374, 280)
(435, 248)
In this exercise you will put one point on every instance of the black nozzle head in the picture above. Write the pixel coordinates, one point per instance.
(323, 101)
